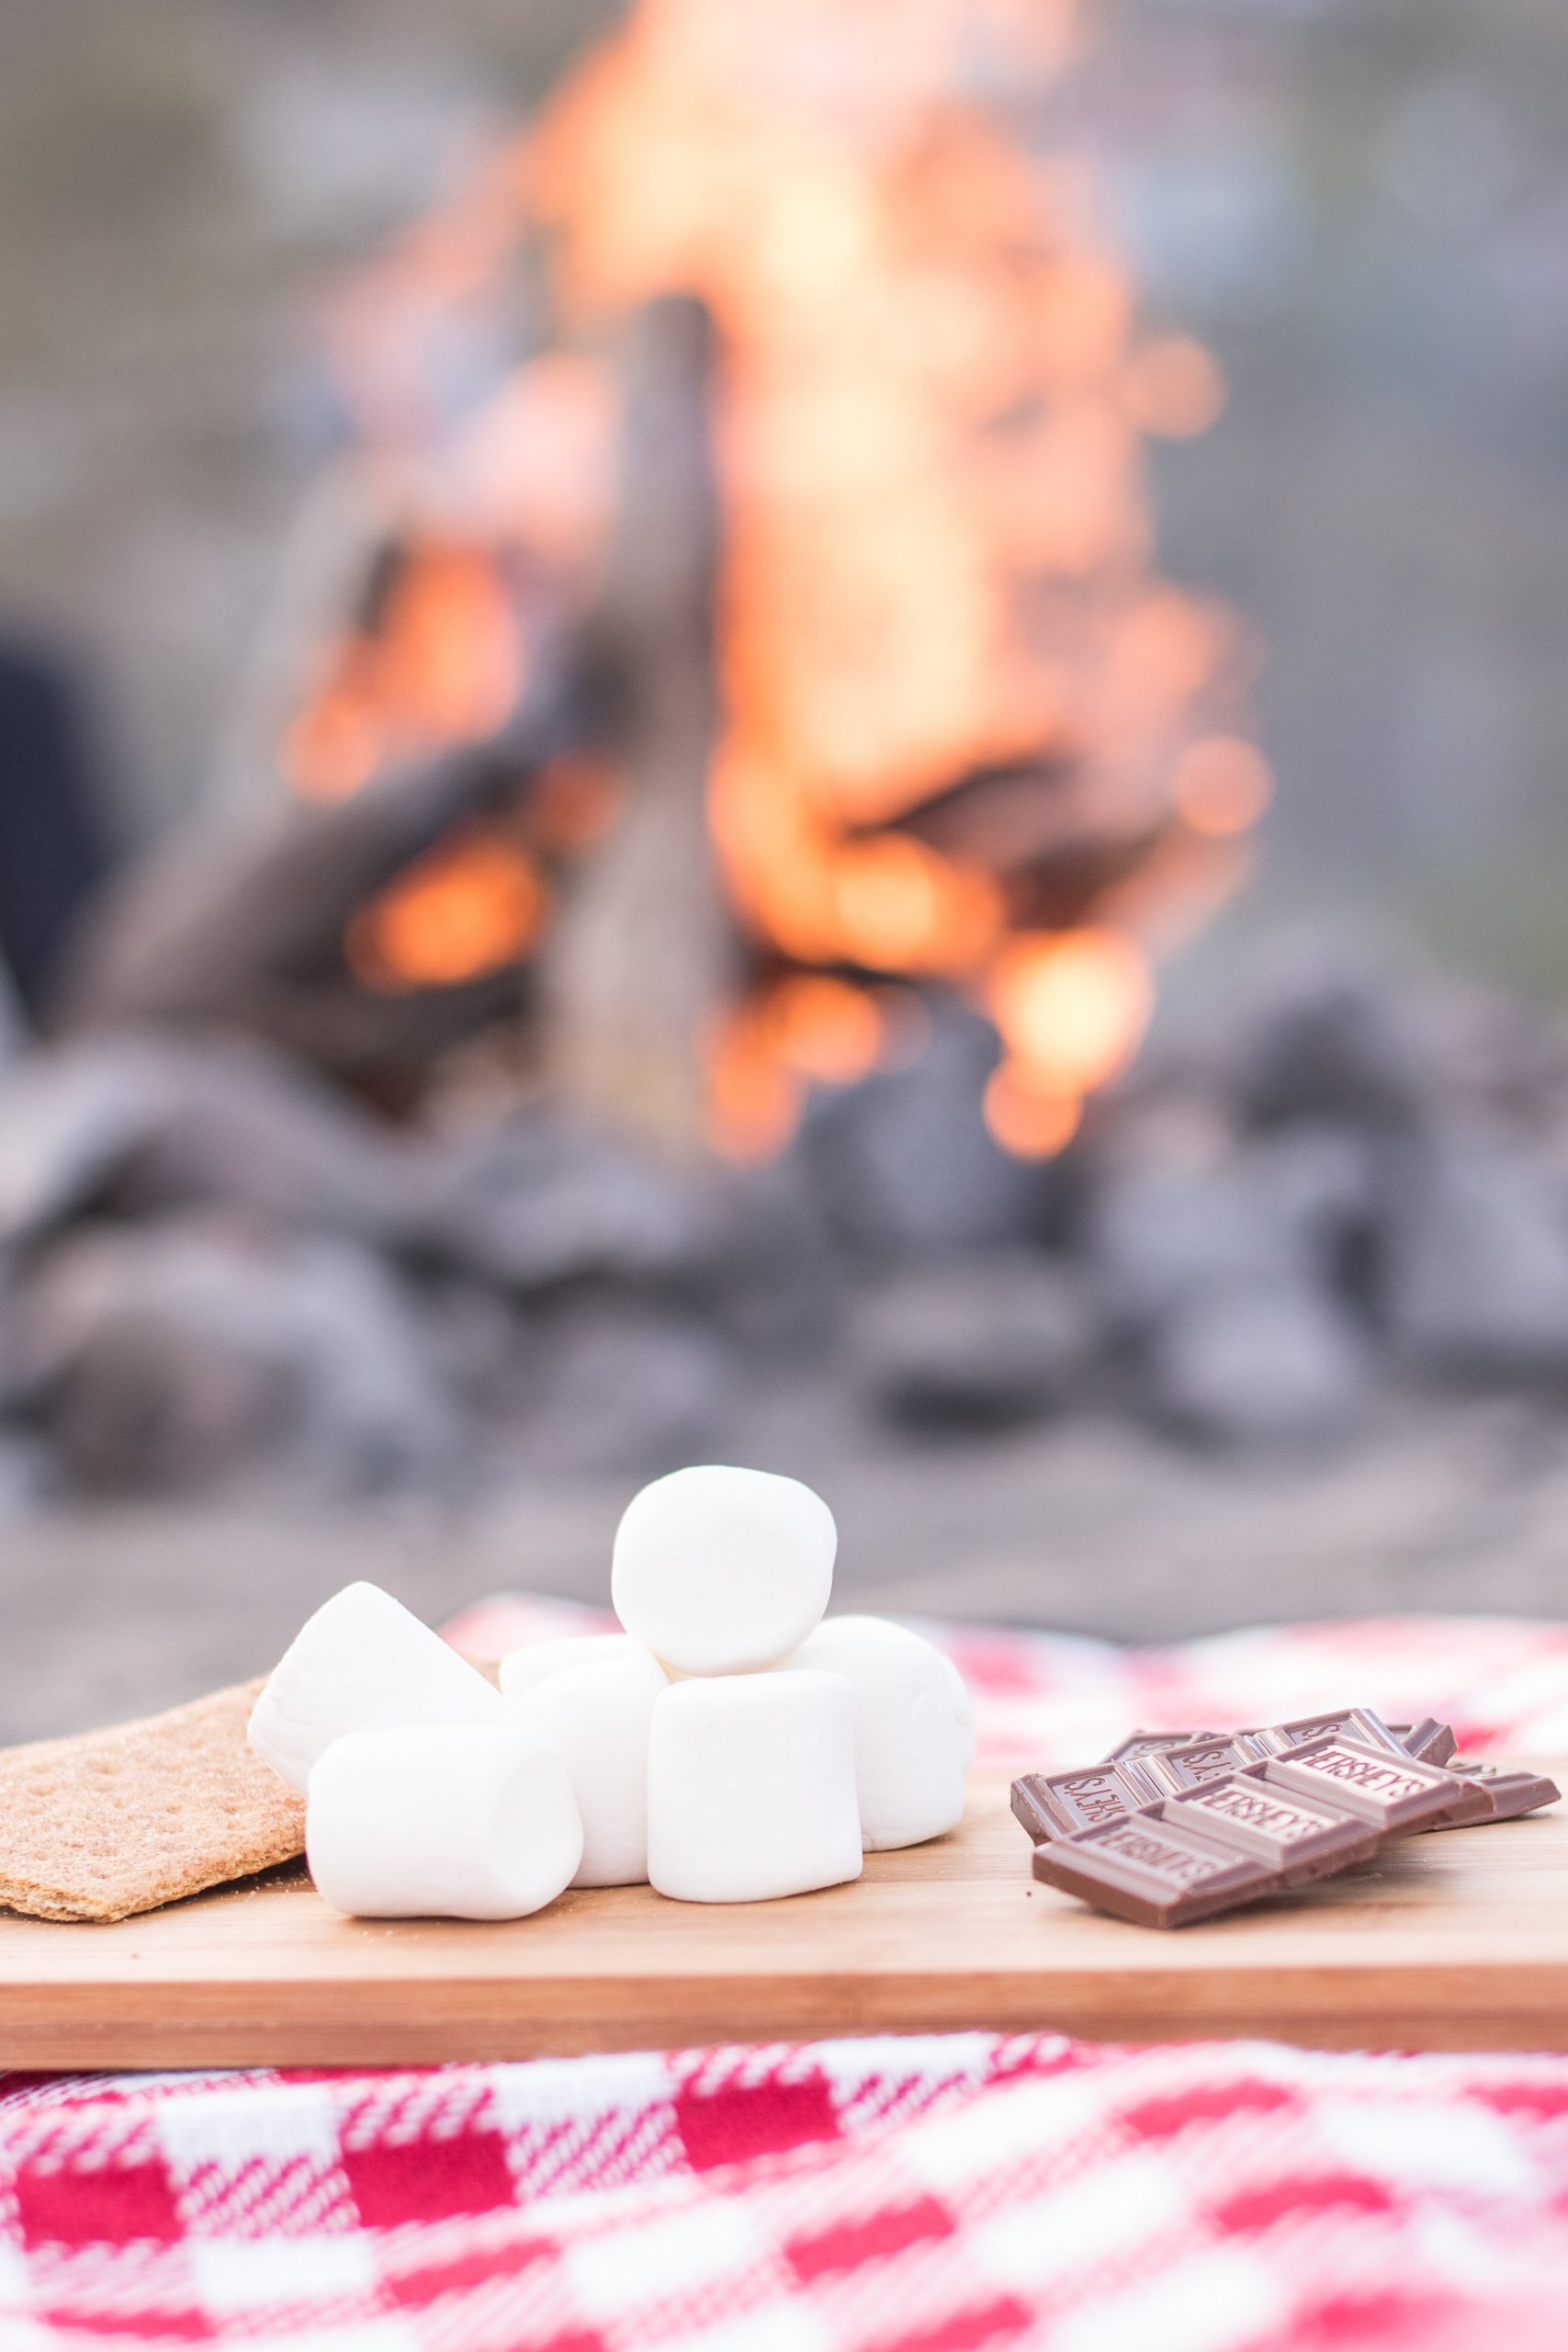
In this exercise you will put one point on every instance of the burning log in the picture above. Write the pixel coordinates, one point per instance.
(247, 928)
(279, 927)
(1054, 857)
(642, 956)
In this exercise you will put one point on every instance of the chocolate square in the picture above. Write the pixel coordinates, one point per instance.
(1059, 1805)
(1156, 1873)
(1300, 1838)
(1393, 1791)
(1174, 1770)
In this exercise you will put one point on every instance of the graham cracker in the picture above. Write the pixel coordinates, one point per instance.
(114, 1822)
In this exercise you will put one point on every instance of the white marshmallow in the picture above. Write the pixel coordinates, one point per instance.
(718, 1570)
(752, 1787)
(361, 1662)
(444, 1821)
(914, 1730)
(598, 1716)
(520, 1670)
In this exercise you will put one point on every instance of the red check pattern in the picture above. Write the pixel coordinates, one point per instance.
(948, 2194)
(1045, 1700)
(901, 2196)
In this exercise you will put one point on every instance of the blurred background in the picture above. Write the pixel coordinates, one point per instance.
(829, 735)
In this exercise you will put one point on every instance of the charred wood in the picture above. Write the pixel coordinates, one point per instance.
(242, 928)
(641, 953)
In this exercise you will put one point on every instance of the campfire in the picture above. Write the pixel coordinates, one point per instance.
(694, 850)
(812, 481)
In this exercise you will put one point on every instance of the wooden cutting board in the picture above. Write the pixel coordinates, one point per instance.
(1453, 1940)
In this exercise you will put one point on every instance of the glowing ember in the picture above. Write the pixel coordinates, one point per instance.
(445, 661)
(807, 1028)
(472, 906)
(933, 393)
(1031, 1123)
(1072, 1008)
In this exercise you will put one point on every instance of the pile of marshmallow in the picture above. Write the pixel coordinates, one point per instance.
(730, 1746)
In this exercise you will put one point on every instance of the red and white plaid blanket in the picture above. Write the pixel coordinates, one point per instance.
(916, 2195)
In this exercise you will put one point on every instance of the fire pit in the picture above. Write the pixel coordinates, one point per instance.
(719, 791)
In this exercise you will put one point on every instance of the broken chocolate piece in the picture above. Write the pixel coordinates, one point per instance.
(1152, 1871)
(1299, 1838)
(1395, 1793)
(1509, 1790)
(1059, 1805)
(1430, 1740)
(1028, 1812)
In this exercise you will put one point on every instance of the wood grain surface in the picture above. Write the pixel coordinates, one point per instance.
(1454, 1940)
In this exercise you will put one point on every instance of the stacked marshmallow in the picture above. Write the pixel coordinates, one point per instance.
(733, 1744)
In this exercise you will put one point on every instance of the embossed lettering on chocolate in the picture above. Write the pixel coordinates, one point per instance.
(1153, 1873)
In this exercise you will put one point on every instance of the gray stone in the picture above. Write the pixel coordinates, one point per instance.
(772, 1276)
(981, 1343)
(1180, 1205)
(1375, 1044)
(1256, 1363)
(481, 1347)
(1179, 1217)
(162, 1121)
(637, 1389)
(194, 1351)
(1227, 1269)
(903, 1162)
(1475, 1258)
(1337, 1039)
(539, 1200)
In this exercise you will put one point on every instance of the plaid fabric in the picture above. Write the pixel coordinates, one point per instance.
(1044, 1700)
(902, 2195)
(911, 2196)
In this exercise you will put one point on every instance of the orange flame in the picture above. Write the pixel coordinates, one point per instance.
(932, 396)
(1072, 1008)
(809, 1028)
(444, 664)
(473, 906)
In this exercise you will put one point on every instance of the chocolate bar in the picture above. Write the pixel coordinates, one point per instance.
(1175, 1826)
(1186, 1857)
(1155, 1872)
